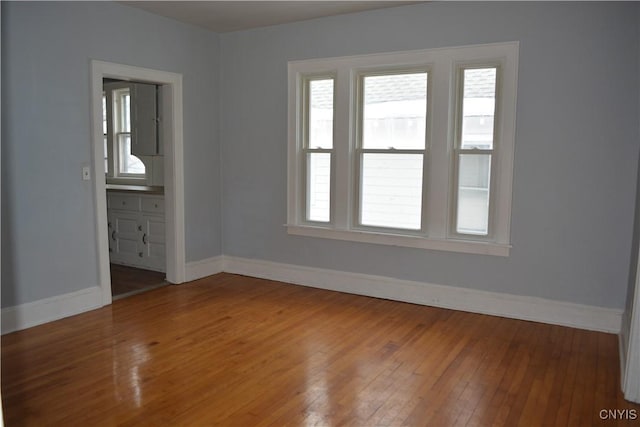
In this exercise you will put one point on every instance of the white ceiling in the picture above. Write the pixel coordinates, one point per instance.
(225, 16)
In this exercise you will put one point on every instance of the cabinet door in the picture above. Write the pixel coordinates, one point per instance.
(144, 120)
(153, 241)
(125, 237)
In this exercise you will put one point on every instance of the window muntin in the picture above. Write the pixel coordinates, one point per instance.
(474, 149)
(391, 149)
(318, 114)
(476, 168)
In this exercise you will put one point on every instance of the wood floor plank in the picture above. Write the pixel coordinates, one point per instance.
(130, 280)
(231, 350)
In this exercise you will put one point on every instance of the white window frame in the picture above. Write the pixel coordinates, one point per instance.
(438, 209)
(303, 137)
(359, 149)
(457, 151)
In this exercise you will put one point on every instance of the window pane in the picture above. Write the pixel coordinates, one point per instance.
(321, 113)
(129, 164)
(391, 190)
(106, 156)
(125, 100)
(318, 187)
(478, 108)
(473, 194)
(394, 111)
(104, 114)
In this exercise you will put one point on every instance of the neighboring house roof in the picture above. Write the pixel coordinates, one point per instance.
(480, 83)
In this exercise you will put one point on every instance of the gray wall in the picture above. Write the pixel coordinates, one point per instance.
(48, 238)
(576, 147)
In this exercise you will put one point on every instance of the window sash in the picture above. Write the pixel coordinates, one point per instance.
(308, 185)
(456, 197)
(307, 152)
(360, 191)
(458, 151)
(360, 153)
(105, 132)
(121, 139)
(117, 131)
(123, 129)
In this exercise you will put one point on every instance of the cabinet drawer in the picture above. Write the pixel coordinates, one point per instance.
(124, 202)
(153, 204)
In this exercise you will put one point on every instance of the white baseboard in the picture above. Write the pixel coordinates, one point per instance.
(206, 267)
(497, 304)
(49, 309)
(456, 298)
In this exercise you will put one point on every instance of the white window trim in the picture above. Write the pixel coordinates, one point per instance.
(442, 65)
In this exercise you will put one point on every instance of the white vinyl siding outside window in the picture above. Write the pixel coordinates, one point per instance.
(409, 149)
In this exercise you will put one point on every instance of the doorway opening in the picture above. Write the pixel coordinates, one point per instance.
(156, 220)
(128, 281)
(134, 172)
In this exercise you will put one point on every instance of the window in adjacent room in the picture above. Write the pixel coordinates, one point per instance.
(128, 164)
(131, 135)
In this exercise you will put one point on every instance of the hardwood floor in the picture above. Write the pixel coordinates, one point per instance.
(126, 281)
(236, 351)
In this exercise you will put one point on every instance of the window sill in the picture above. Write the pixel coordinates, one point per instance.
(462, 246)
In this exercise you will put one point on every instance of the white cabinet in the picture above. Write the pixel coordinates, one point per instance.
(136, 230)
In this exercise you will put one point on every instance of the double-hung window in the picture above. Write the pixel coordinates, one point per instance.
(128, 164)
(391, 149)
(409, 148)
(473, 148)
(318, 147)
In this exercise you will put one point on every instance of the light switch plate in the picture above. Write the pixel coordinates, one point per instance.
(86, 173)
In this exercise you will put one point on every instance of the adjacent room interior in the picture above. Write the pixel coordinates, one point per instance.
(319, 213)
(134, 177)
